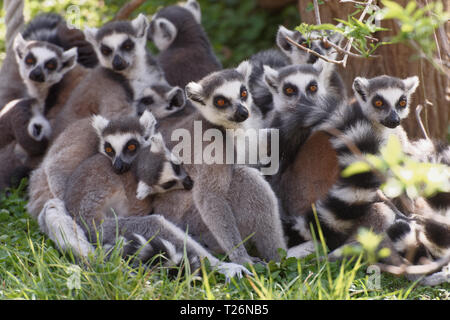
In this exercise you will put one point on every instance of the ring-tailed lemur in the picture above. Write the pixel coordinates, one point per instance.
(334, 84)
(126, 69)
(160, 99)
(48, 181)
(121, 47)
(302, 101)
(120, 205)
(185, 51)
(381, 104)
(21, 121)
(51, 29)
(43, 67)
(223, 102)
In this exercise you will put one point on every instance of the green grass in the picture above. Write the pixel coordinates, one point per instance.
(32, 268)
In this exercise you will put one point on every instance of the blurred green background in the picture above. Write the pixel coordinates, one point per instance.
(236, 28)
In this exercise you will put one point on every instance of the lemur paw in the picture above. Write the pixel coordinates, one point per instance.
(231, 270)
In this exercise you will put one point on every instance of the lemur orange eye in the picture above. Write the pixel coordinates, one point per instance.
(108, 150)
(51, 65)
(30, 61)
(313, 88)
(220, 102)
(378, 103)
(131, 147)
(289, 90)
(402, 103)
(244, 93)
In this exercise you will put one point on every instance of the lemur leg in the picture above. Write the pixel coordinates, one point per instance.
(149, 235)
(257, 212)
(218, 215)
(210, 194)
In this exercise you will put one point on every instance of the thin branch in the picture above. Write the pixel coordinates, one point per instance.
(353, 1)
(316, 12)
(312, 51)
(125, 12)
(419, 109)
(349, 43)
(348, 52)
(391, 205)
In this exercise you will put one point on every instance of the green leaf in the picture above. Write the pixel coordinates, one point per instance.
(355, 168)
(392, 153)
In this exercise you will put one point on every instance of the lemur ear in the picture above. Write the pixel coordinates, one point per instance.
(411, 84)
(177, 98)
(19, 45)
(157, 143)
(140, 25)
(69, 59)
(162, 32)
(194, 92)
(148, 122)
(91, 35)
(282, 43)
(360, 87)
(245, 68)
(99, 123)
(194, 7)
(271, 77)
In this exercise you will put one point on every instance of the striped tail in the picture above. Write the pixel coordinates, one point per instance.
(350, 198)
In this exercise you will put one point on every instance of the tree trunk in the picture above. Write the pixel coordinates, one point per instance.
(397, 60)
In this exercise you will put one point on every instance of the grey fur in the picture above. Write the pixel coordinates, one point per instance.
(218, 192)
(121, 47)
(185, 51)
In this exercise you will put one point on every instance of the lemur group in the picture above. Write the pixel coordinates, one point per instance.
(88, 116)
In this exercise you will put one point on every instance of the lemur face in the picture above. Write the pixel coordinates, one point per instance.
(121, 139)
(159, 171)
(118, 43)
(299, 56)
(42, 63)
(222, 97)
(385, 99)
(294, 84)
(161, 100)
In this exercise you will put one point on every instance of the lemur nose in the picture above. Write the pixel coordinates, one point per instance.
(188, 184)
(37, 129)
(37, 75)
(119, 63)
(120, 166)
(241, 114)
(393, 120)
